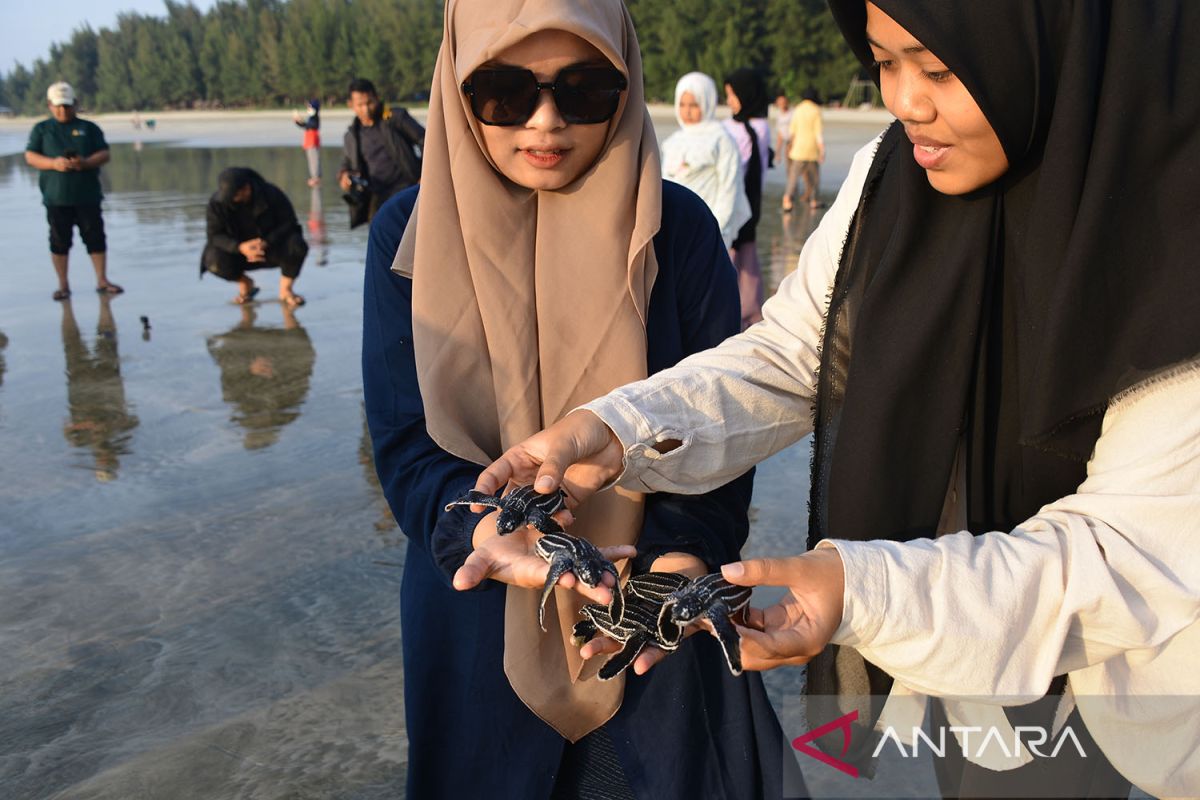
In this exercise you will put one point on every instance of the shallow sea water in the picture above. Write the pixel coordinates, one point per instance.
(198, 573)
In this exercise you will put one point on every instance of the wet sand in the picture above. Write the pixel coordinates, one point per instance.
(199, 578)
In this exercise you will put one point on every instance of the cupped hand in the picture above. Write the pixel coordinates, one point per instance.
(799, 626)
(579, 453)
(512, 559)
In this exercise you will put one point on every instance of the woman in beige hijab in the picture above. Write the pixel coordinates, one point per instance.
(543, 263)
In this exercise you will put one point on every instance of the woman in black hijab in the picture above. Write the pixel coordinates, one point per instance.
(746, 94)
(1011, 349)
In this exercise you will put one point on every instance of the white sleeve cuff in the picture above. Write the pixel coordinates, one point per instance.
(864, 598)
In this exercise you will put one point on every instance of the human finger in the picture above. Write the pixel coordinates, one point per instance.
(763, 571)
(473, 571)
(599, 646)
(646, 659)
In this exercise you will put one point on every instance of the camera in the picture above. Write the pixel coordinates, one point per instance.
(357, 193)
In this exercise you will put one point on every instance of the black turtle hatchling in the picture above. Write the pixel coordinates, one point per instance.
(566, 553)
(522, 506)
(713, 598)
(638, 627)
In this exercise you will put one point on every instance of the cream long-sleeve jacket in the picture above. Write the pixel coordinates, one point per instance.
(1102, 585)
(704, 158)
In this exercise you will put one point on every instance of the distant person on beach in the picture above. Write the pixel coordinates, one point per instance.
(68, 151)
(310, 122)
(807, 152)
(702, 155)
(783, 138)
(994, 338)
(252, 225)
(382, 152)
(746, 94)
(542, 261)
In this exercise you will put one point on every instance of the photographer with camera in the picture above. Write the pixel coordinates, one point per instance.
(382, 152)
(68, 152)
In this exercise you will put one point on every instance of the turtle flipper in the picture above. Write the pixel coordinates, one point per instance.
(727, 635)
(583, 632)
(669, 632)
(543, 522)
(618, 663)
(474, 498)
(616, 608)
(559, 566)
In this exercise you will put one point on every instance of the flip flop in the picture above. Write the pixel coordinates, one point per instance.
(62, 294)
(294, 300)
(242, 299)
(109, 288)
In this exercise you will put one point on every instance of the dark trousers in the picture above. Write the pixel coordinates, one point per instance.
(288, 256)
(63, 219)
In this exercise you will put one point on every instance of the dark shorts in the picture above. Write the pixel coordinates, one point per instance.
(91, 228)
(288, 256)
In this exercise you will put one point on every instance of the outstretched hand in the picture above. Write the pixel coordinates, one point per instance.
(579, 453)
(798, 627)
(512, 559)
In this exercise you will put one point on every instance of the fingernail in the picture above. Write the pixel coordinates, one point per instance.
(734, 570)
(544, 482)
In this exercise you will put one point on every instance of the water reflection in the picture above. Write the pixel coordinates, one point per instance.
(265, 374)
(3, 344)
(100, 420)
(318, 237)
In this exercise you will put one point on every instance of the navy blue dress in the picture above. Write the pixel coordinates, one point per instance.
(687, 728)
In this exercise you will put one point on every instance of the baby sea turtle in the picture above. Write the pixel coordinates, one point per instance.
(713, 598)
(566, 553)
(639, 626)
(522, 506)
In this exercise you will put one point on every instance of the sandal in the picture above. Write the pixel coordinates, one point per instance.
(62, 294)
(293, 300)
(246, 297)
(109, 289)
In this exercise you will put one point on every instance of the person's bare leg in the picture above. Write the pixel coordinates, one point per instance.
(286, 295)
(246, 289)
(100, 264)
(60, 269)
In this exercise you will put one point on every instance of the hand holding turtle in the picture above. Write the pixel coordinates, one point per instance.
(513, 559)
(682, 563)
(579, 453)
(798, 627)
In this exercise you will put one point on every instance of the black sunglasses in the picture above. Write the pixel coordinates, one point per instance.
(506, 96)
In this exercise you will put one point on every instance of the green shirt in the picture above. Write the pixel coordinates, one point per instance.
(52, 138)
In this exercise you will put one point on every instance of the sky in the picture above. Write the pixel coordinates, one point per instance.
(29, 27)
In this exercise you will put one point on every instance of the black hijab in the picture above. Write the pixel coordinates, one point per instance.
(1008, 318)
(751, 91)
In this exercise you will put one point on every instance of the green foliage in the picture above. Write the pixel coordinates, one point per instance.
(278, 52)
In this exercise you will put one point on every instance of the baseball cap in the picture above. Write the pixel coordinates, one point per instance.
(61, 94)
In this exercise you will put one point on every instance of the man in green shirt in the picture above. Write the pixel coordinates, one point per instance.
(69, 151)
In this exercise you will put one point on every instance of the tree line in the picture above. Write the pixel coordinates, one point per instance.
(264, 53)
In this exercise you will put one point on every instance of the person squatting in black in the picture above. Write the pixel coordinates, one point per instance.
(252, 225)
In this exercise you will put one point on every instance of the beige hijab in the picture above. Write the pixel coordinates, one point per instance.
(529, 303)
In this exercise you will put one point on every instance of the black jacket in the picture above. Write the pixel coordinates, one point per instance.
(274, 218)
(405, 134)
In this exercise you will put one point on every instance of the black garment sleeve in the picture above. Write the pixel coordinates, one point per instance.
(412, 130)
(217, 229)
(418, 476)
(712, 526)
(283, 217)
